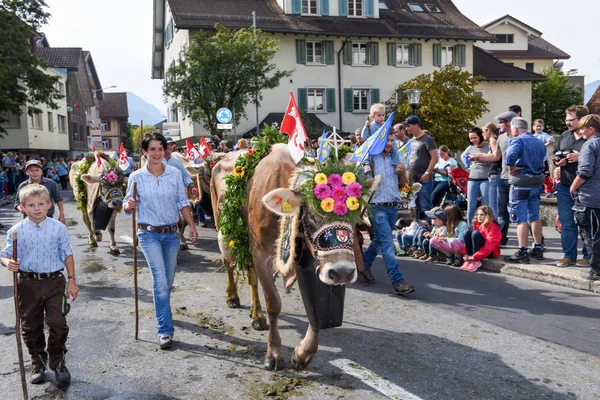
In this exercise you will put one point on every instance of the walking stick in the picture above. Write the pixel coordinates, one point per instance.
(135, 282)
(18, 323)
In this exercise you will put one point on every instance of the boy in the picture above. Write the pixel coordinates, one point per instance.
(34, 170)
(374, 121)
(44, 251)
(546, 138)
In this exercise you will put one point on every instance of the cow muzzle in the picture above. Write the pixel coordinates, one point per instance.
(338, 273)
(334, 244)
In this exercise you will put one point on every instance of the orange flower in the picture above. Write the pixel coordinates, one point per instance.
(327, 204)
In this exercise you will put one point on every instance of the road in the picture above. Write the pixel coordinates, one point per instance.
(459, 336)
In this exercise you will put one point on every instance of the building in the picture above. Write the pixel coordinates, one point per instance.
(113, 116)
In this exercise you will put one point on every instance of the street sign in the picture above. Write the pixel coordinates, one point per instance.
(224, 126)
(170, 125)
(224, 116)
(96, 134)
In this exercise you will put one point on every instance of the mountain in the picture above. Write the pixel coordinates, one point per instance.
(140, 110)
(590, 89)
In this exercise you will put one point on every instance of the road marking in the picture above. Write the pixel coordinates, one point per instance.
(127, 239)
(370, 378)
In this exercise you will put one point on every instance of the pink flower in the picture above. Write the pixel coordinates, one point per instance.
(111, 177)
(335, 180)
(322, 191)
(339, 194)
(354, 190)
(340, 209)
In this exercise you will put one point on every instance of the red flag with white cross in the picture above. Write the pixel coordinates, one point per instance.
(293, 126)
(203, 147)
(123, 159)
(192, 152)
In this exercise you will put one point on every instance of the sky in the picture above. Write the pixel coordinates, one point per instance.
(119, 35)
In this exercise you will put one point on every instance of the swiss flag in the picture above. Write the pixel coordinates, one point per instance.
(293, 126)
(98, 160)
(123, 159)
(204, 149)
(191, 152)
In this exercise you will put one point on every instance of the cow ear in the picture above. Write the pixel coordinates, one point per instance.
(89, 179)
(370, 186)
(284, 202)
(193, 169)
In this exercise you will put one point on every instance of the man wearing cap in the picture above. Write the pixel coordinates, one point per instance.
(423, 157)
(174, 162)
(33, 168)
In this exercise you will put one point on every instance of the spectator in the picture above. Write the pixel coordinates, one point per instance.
(441, 182)
(571, 142)
(359, 138)
(453, 243)
(406, 235)
(479, 171)
(353, 142)
(62, 170)
(375, 119)
(170, 147)
(403, 144)
(483, 241)
(525, 157)
(516, 109)
(34, 170)
(439, 231)
(11, 171)
(490, 135)
(242, 144)
(53, 175)
(587, 186)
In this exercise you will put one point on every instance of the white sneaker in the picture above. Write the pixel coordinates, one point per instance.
(165, 342)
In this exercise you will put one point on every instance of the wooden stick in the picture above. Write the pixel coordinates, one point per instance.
(18, 323)
(135, 243)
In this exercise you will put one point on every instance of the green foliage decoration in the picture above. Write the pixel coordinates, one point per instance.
(88, 160)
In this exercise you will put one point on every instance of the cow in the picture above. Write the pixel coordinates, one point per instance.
(104, 193)
(269, 197)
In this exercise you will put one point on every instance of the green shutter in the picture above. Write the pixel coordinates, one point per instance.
(330, 99)
(437, 55)
(324, 7)
(329, 52)
(370, 8)
(374, 96)
(348, 53)
(343, 10)
(302, 99)
(373, 53)
(414, 54)
(460, 55)
(296, 6)
(348, 100)
(391, 53)
(300, 51)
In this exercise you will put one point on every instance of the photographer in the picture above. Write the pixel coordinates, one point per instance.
(567, 157)
(587, 182)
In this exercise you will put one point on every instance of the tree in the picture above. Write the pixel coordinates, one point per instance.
(137, 137)
(448, 108)
(552, 97)
(22, 77)
(225, 69)
(128, 129)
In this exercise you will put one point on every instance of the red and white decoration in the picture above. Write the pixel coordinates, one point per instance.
(123, 159)
(292, 125)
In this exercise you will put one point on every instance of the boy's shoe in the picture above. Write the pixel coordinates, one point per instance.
(450, 259)
(37, 374)
(583, 263)
(401, 253)
(519, 256)
(424, 257)
(62, 375)
(368, 276)
(165, 342)
(458, 261)
(403, 288)
(537, 253)
(590, 276)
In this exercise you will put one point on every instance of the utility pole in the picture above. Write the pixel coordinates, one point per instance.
(255, 94)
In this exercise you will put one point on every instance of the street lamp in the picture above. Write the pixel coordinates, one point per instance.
(108, 87)
(414, 96)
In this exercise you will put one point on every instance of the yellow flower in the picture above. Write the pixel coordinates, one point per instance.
(231, 243)
(352, 203)
(348, 178)
(321, 178)
(239, 172)
(327, 204)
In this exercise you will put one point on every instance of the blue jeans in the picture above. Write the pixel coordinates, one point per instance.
(439, 189)
(474, 189)
(161, 251)
(493, 193)
(382, 220)
(424, 202)
(503, 217)
(524, 204)
(568, 234)
(404, 240)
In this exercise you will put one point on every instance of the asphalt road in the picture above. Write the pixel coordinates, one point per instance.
(459, 336)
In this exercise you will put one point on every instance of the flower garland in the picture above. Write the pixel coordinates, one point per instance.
(88, 160)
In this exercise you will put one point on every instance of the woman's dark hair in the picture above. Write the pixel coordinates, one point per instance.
(444, 148)
(153, 136)
(479, 133)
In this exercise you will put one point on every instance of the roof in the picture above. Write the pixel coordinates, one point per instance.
(87, 56)
(60, 57)
(537, 49)
(515, 22)
(114, 105)
(492, 69)
(594, 104)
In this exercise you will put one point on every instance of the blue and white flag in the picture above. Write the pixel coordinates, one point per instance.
(375, 144)
(324, 147)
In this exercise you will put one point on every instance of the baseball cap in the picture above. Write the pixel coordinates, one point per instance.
(506, 116)
(169, 139)
(412, 120)
(33, 162)
(436, 212)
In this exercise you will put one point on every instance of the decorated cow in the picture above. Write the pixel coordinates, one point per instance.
(300, 224)
(99, 187)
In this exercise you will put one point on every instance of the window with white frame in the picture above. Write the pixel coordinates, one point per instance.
(447, 55)
(316, 99)
(50, 122)
(62, 124)
(359, 53)
(12, 121)
(105, 144)
(432, 8)
(104, 125)
(416, 7)
(60, 86)
(402, 51)
(36, 121)
(314, 53)
(355, 8)
(310, 6)
(362, 99)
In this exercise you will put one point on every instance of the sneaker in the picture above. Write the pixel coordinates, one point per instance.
(583, 263)
(62, 375)
(466, 265)
(429, 259)
(458, 261)
(590, 276)
(165, 342)
(565, 262)
(368, 276)
(418, 254)
(450, 259)
(424, 257)
(537, 253)
(404, 288)
(37, 374)
(401, 253)
(520, 257)
(473, 266)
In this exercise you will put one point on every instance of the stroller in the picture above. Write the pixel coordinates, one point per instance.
(457, 192)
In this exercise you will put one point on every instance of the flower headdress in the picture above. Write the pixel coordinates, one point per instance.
(112, 177)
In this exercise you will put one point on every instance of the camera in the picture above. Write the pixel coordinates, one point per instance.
(560, 155)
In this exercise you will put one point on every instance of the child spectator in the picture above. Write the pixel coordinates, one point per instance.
(374, 121)
(453, 244)
(483, 241)
(44, 251)
(406, 234)
(416, 250)
(438, 219)
(551, 188)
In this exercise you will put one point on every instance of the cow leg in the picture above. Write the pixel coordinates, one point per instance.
(114, 250)
(259, 321)
(91, 235)
(304, 353)
(233, 300)
(182, 224)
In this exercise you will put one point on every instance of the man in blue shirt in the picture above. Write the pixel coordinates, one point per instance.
(525, 159)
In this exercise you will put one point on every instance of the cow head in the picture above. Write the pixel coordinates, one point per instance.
(112, 184)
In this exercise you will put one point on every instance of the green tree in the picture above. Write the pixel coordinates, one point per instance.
(136, 136)
(224, 69)
(128, 129)
(552, 97)
(22, 77)
(448, 106)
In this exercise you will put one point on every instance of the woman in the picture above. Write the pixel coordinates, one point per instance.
(242, 144)
(478, 172)
(160, 197)
(442, 179)
(483, 241)
(490, 134)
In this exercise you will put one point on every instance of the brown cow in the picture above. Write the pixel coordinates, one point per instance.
(268, 196)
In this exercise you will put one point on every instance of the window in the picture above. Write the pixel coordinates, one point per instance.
(359, 54)
(529, 67)
(402, 54)
(35, 121)
(314, 52)
(416, 7)
(13, 121)
(105, 144)
(104, 125)
(62, 124)
(447, 55)
(50, 122)
(383, 5)
(169, 33)
(60, 86)
(309, 6)
(504, 38)
(88, 110)
(478, 93)
(174, 114)
(316, 100)
(432, 8)
(361, 99)
(355, 8)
